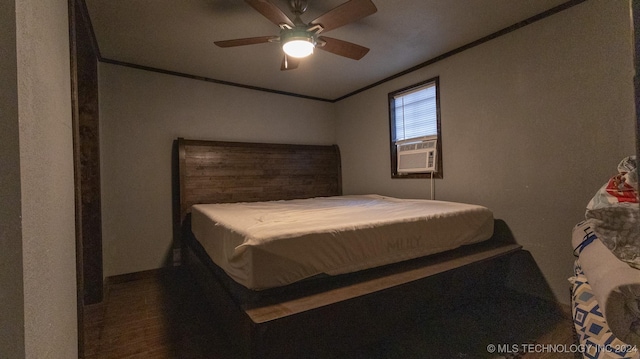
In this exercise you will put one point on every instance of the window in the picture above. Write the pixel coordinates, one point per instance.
(414, 115)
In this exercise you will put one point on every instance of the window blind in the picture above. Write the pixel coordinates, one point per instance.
(416, 113)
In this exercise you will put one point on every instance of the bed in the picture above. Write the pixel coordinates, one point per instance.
(315, 293)
(605, 291)
(263, 245)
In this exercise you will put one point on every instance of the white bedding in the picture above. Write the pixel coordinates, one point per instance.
(270, 244)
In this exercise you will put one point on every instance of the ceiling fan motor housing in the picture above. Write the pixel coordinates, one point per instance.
(298, 7)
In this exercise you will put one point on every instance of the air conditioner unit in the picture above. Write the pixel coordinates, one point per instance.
(417, 156)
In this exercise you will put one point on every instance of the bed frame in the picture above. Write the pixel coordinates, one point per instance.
(325, 316)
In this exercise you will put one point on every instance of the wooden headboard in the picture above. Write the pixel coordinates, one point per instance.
(223, 172)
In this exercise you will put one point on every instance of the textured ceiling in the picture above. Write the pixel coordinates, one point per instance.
(178, 36)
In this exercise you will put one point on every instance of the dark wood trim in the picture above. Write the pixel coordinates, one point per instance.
(207, 79)
(76, 176)
(87, 156)
(129, 277)
(470, 45)
(84, 102)
(392, 147)
(460, 49)
(84, 12)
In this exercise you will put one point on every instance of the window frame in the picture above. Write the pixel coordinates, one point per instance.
(392, 128)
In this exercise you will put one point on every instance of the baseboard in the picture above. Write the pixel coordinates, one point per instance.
(146, 274)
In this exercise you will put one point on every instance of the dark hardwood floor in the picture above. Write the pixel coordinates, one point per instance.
(163, 314)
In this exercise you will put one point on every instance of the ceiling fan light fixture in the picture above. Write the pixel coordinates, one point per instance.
(297, 43)
(298, 48)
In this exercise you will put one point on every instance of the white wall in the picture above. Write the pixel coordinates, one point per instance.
(533, 123)
(141, 113)
(38, 83)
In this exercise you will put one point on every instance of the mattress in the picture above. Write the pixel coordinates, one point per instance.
(270, 244)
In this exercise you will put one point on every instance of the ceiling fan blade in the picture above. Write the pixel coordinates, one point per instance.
(343, 48)
(246, 41)
(343, 14)
(289, 63)
(270, 11)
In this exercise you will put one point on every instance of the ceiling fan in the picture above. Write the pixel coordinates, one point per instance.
(298, 39)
